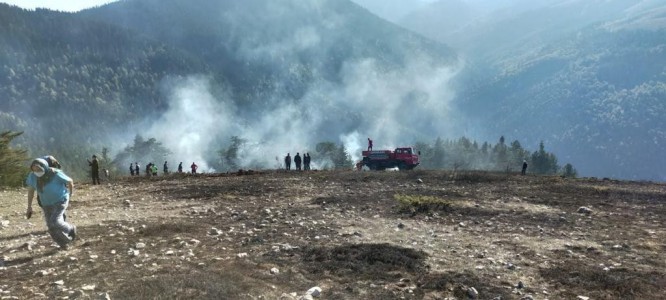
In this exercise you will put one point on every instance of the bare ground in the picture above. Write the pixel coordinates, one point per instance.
(219, 236)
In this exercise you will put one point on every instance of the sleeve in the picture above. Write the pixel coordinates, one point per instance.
(31, 181)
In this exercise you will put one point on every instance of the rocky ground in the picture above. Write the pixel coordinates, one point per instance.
(344, 235)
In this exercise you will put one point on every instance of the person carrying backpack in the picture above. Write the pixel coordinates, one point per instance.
(55, 189)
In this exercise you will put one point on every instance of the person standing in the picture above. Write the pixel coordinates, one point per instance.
(180, 167)
(287, 162)
(306, 161)
(54, 189)
(165, 168)
(297, 161)
(369, 144)
(94, 169)
(131, 169)
(194, 168)
(524, 167)
(136, 168)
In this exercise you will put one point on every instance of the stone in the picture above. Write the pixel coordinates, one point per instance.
(314, 291)
(584, 210)
(472, 293)
(275, 271)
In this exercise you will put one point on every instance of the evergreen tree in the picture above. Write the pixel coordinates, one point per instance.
(230, 156)
(12, 161)
(143, 151)
(569, 171)
(543, 162)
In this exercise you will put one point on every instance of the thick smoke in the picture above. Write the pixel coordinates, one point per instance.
(395, 107)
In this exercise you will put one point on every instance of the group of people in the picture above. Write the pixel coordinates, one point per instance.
(305, 161)
(151, 168)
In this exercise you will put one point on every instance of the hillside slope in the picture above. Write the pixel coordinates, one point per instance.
(276, 73)
(356, 235)
(584, 76)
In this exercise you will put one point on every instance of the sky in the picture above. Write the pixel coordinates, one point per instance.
(61, 5)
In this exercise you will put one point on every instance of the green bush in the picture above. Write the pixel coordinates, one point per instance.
(12, 161)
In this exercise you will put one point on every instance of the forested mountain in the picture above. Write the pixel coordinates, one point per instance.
(68, 81)
(588, 77)
(279, 74)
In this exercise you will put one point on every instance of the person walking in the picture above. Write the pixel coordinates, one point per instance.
(55, 189)
(94, 169)
(369, 144)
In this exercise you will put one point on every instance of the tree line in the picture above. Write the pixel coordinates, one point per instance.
(459, 154)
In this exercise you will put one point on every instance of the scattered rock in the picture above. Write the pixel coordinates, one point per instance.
(275, 271)
(314, 291)
(584, 210)
(582, 298)
(241, 255)
(140, 245)
(472, 293)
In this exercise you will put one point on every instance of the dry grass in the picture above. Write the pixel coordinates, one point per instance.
(349, 233)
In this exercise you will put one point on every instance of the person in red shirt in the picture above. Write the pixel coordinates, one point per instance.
(194, 168)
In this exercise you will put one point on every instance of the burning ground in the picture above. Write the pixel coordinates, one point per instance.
(355, 235)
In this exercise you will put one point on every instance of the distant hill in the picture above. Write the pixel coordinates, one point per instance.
(588, 77)
(77, 82)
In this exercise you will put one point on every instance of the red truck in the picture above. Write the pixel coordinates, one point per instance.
(404, 158)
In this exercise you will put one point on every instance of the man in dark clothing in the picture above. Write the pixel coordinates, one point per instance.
(94, 169)
(369, 144)
(524, 167)
(297, 160)
(136, 168)
(287, 162)
(180, 167)
(166, 168)
(131, 169)
(306, 161)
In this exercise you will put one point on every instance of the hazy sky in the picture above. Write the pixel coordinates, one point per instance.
(62, 5)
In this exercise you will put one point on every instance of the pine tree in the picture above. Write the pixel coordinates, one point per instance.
(12, 161)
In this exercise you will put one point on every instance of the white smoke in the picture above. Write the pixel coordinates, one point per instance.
(394, 107)
(192, 121)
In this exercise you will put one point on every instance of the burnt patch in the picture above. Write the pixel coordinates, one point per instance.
(593, 281)
(364, 261)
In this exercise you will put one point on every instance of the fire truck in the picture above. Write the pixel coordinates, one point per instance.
(403, 158)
